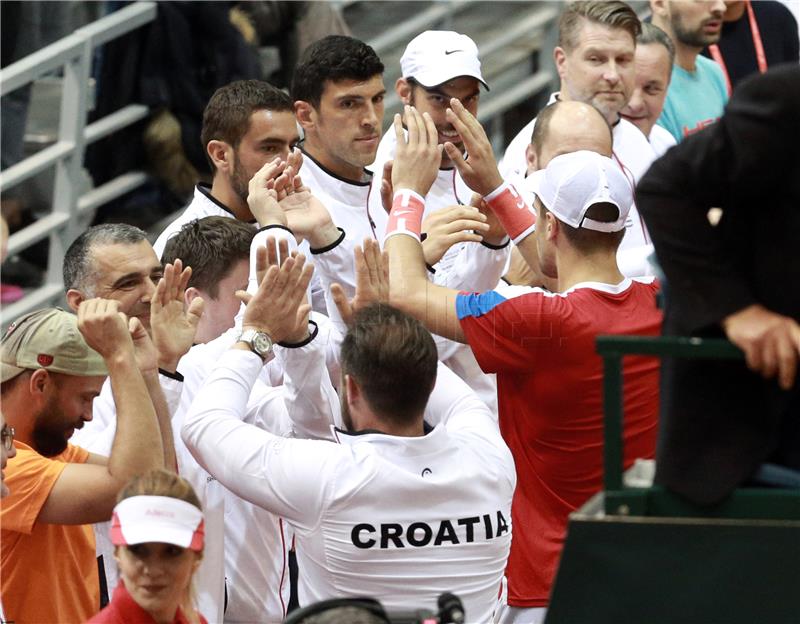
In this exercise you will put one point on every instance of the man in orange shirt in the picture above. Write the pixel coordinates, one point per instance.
(53, 365)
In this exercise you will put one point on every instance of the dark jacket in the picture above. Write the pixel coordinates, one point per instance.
(719, 421)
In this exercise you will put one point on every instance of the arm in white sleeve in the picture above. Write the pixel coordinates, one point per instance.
(311, 402)
(475, 267)
(290, 478)
(336, 264)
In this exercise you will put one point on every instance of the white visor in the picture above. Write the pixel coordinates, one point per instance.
(141, 519)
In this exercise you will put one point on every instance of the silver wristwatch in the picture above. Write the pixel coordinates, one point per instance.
(258, 341)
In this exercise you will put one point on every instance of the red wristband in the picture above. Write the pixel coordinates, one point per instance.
(517, 217)
(406, 215)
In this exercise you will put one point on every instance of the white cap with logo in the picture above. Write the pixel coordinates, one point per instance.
(572, 183)
(436, 56)
(141, 519)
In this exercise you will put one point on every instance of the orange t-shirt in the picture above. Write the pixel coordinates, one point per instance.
(48, 571)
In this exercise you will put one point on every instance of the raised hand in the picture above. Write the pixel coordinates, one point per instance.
(262, 197)
(144, 350)
(495, 234)
(387, 191)
(278, 307)
(418, 156)
(307, 217)
(480, 170)
(105, 328)
(173, 327)
(448, 226)
(372, 281)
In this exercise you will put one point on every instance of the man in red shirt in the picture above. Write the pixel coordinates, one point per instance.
(540, 344)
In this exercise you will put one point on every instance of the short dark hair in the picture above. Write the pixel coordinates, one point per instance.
(589, 241)
(653, 34)
(227, 114)
(613, 13)
(77, 260)
(211, 246)
(393, 358)
(335, 58)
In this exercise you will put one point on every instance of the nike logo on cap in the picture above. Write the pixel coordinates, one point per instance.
(451, 51)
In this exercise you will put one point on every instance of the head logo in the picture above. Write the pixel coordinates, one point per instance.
(426, 471)
(44, 359)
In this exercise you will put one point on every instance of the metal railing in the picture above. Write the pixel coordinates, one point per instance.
(73, 56)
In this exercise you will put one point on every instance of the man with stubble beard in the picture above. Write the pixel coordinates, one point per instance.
(697, 93)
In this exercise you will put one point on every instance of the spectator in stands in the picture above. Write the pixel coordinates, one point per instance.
(595, 62)
(158, 534)
(218, 250)
(655, 54)
(766, 38)
(246, 124)
(397, 514)
(53, 365)
(541, 346)
(737, 278)
(697, 92)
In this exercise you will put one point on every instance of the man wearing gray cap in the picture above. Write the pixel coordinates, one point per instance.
(53, 366)
(540, 344)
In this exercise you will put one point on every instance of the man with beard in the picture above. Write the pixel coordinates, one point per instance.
(53, 365)
(595, 63)
(246, 124)
(697, 93)
(394, 510)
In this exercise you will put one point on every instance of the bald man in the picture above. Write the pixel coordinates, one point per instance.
(562, 127)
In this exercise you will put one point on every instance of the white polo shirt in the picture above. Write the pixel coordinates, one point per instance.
(203, 204)
(401, 519)
(359, 215)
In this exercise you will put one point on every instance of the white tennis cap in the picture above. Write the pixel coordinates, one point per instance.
(141, 519)
(574, 182)
(436, 56)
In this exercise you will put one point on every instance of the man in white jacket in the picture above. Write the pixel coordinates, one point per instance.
(392, 511)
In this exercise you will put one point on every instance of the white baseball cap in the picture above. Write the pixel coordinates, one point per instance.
(141, 519)
(572, 183)
(436, 56)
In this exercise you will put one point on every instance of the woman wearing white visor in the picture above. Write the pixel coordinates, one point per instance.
(157, 528)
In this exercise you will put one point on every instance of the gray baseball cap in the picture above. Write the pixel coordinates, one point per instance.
(49, 339)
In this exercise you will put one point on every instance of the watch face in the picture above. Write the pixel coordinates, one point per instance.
(262, 343)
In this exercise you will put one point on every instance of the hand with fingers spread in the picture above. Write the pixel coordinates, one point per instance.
(278, 307)
(307, 217)
(262, 196)
(418, 156)
(372, 281)
(448, 226)
(173, 326)
(770, 341)
(479, 171)
(105, 328)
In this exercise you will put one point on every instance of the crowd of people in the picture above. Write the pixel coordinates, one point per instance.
(378, 351)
